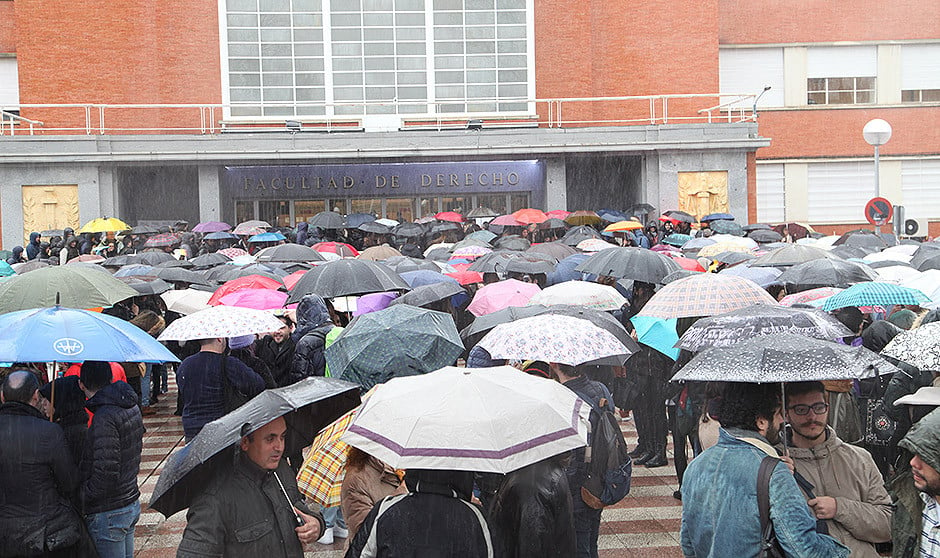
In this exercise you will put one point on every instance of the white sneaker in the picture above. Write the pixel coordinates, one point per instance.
(340, 533)
(327, 537)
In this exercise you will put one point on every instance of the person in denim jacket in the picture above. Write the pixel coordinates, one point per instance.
(720, 517)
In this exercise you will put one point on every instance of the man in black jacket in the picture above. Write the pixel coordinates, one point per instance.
(37, 477)
(111, 461)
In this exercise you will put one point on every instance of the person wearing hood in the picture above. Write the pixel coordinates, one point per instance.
(848, 495)
(69, 250)
(302, 232)
(68, 406)
(277, 349)
(435, 518)
(916, 519)
(243, 348)
(313, 325)
(17, 256)
(32, 249)
(111, 461)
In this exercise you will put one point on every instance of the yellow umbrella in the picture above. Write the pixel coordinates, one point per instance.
(624, 226)
(104, 224)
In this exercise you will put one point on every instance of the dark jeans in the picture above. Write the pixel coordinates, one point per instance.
(649, 414)
(587, 525)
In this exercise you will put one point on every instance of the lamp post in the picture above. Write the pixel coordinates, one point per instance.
(877, 132)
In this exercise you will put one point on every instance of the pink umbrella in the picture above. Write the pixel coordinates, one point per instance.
(506, 220)
(233, 252)
(558, 214)
(804, 297)
(212, 226)
(257, 299)
(470, 252)
(503, 294)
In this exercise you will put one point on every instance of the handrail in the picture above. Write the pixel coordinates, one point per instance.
(13, 117)
(211, 118)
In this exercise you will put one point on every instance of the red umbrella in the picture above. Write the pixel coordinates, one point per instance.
(506, 220)
(292, 279)
(451, 216)
(688, 263)
(339, 248)
(466, 277)
(529, 216)
(558, 214)
(246, 282)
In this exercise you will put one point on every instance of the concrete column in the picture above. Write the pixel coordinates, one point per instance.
(556, 184)
(107, 193)
(209, 195)
(889, 175)
(796, 191)
(889, 75)
(794, 76)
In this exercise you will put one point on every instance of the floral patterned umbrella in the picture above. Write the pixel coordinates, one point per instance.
(705, 294)
(919, 347)
(221, 321)
(580, 293)
(553, 338)
(232, 253)
(805, 297)
(784, 357)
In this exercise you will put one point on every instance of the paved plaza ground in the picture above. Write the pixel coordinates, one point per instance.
(645, 524)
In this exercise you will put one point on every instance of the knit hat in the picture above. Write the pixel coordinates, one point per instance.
(240, 342)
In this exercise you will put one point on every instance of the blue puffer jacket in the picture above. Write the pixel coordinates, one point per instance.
(720, 516)
(113, 444)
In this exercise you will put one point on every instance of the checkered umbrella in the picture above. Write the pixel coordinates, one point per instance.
(401, 340)
(875, 293)
(162, 240)
(919, 347)
(705, 294)
(321, 476)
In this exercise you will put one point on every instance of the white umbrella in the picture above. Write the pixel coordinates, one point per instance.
(887, 256)
(553, 338)
(470, 419)
(186, 301)
(387, 222)
(919, 347)
(897, 273)
(928, 282)
(221, 321)
(580, 293)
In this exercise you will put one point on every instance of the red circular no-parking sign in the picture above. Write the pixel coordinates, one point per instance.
(878, 211)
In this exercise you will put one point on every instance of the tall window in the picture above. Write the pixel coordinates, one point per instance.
(920, 73)
(841, 75)
(355, 57)
(837, 191)
(771, 194)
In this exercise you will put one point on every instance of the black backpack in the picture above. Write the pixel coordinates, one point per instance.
(609, 467)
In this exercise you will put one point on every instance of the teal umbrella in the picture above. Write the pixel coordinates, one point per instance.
(6, 269)
(401, 340)
(70, 286)
(657, 333)
(874, 293)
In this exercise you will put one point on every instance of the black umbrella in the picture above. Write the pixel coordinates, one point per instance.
(308, 406)
(861, 237)
(640, 209)
(512, 242)
(496, 262)
(520, 265)
(889, 263)
(732, 258)
(408, 230)
(402, 264)
(347, 278)
(444, 226)
(761, 319)
(932, 262)
(146, 284)
(722, 226)
(764, 236)
(557, 250)
(481, 213)
(680, 216)
(633, 263)
(154, 257)
(439, 255)
(176, 263)
(826, 273)
(575, 235)
(848, 252)
(791, 254)
(374, 228)
(210, 260)
(757, 227)
(289, 253)
(679, 274)
(178, 275)
(121, 261)
(429, 294)
(327, 220)
(924, 251)
(470, 242)
(552, 224)
(144, 229)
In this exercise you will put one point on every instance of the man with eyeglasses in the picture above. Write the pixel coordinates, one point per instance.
(847, 492)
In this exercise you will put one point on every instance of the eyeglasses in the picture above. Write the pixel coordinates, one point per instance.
(801, 410)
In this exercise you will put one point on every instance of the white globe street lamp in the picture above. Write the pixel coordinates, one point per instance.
(877, 132)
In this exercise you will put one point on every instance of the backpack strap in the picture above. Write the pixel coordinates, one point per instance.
(371, 549)
(764, 473)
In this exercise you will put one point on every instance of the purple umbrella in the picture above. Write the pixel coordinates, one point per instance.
(212, 226)
(373, 302)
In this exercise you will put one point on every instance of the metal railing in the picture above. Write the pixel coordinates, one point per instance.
(100, 119)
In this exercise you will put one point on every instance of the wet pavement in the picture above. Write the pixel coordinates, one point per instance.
(645, 524)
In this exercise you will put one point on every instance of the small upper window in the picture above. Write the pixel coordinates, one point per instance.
(920, 96)
(840, 90)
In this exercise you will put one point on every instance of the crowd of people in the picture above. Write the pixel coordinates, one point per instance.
(852, 469)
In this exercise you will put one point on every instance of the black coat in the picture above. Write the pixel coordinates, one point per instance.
(434, 520)
(243, 513)
(279, 358)
(532, 516)
(70, 413)
(37, 478)
(113, 444)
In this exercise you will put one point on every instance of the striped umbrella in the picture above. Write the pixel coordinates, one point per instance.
(875, 293)
(705, 294)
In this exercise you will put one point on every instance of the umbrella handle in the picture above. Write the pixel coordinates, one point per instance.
(297, 519)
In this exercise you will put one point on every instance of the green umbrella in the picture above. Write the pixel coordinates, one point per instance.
(70, 286)
(401, 340)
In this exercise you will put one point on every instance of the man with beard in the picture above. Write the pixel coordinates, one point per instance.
(916, 524)
(848, 493)
(720, 514)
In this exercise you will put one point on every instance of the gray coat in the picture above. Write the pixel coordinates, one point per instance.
(244, 514)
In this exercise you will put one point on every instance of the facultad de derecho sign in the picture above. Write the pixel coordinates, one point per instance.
(383, 179)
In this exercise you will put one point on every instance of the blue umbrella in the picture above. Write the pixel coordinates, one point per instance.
(353, 220)
(611, 215)
(134, 269)
(658, 334)
(73, 335)
(485, 236)
(717, 217)
(763, 276)
(220, 236)
(564, 270)
(873, 293)
(423, 277)
(267, 237)
(677, 240)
